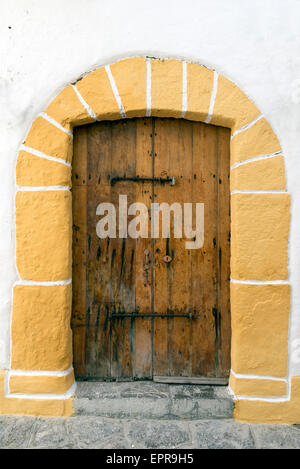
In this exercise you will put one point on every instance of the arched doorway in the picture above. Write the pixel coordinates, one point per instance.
(38, 381)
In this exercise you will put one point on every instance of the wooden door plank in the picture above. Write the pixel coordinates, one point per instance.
(78, 321)
(204, 261)
(173, 148)
(144, 286)
(98, 261)
(223, 310)
(123, 156)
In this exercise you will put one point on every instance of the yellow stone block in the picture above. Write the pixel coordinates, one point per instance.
(259, 233)
(260, 321)
(47, 138)
(257, 387)
(130, 76)
(67, 110)
(232, 107)
(166, 88)
(41, 332)
(32, 170)
(41, 384)
(261, 175)
(96, 90)
(33, 407)
(43, 235)
(258, 140)
(199, 88)
(287, 412)
(39, 407)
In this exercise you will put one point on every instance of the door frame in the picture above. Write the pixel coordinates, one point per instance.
(260, 291)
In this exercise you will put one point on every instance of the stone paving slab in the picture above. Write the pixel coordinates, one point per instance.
(222, 434)
(149, 400)
(276, 436)
(100, 432)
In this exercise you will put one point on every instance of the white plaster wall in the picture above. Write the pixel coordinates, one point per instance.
(44, 44)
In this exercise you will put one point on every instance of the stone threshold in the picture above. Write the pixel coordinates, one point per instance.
(151, 400)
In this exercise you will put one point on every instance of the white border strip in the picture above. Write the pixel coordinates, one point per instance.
(115, 91)
(256, 158)
(212, 98)
(269, 378)
(30, 283)
(260, 282)
(247, 126)
(42, 396)
(284, 398)
(259, 192)
(148, 91)
(85, 104)
(55, 123)
(43, 155)
(258, 398)
(42, 188)
(184, 89)
(58, 374)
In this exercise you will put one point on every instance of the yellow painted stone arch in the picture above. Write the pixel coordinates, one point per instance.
(40, 380)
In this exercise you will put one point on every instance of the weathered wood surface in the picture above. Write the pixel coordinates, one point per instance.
(129, 276)
(191, 380)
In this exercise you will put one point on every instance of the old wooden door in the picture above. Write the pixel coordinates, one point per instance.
(150, 307)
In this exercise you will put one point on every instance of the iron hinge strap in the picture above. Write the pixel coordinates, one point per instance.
(152, 315)
(116, 179)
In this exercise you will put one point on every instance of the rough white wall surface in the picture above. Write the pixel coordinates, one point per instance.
(46, 44)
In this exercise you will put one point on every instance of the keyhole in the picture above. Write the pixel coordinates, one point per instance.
(167, 259)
